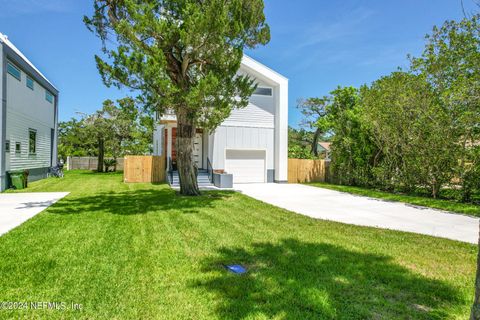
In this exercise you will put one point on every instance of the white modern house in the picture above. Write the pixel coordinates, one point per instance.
(251, 146)
(28, 116)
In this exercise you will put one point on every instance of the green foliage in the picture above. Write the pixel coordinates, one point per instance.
(414, 129)
(162, 255)
(110, 163)
(471, 176)
(315, 117)
(73, 140)
(410, 129)
(299, 143)
(418, 199)
(123, 128)
(353, 151)
(181, 54)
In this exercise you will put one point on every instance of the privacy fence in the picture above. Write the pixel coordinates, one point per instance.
(303, 170)
(89, 163)
(151, 169)
(144, 169)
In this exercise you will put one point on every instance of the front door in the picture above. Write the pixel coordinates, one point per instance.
(198, 150)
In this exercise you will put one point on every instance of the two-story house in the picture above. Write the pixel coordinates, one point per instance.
(252, 144)
(28, 116)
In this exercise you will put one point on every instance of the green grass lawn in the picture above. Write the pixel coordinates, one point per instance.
(442, 204)
(139, 251)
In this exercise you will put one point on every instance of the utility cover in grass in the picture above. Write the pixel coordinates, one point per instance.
(236, 268)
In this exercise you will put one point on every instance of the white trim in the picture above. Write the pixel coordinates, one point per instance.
(263, 69)
(4, 39)
(169, 142)
(265, 152)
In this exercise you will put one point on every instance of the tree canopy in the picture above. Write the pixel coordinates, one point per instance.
(117, 129)
(182, 55)
(413, 130)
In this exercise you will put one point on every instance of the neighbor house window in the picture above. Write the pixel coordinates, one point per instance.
(14, 71)
(7, 146)
(32, 141)
(262, 91)
(48, 96)
(29, 82)
(18, 147)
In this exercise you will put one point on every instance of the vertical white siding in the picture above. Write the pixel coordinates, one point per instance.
(240, 138)
(28, 109)
(158, 142)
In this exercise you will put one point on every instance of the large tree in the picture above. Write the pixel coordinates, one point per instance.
(182, 55)
(411, 130)
(117, 129)
(315, 117)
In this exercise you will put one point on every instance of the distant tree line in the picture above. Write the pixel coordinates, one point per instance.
(116, 130)
(415, 130)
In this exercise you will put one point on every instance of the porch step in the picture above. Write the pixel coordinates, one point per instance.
(202, 180)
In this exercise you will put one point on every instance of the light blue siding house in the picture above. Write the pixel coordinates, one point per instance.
(28, 116)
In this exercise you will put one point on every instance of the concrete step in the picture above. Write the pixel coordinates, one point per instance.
(203, 180)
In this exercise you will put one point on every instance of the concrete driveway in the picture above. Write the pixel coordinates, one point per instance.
(342, 207)
(16, 208)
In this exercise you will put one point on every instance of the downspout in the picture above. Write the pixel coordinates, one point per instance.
(3, 120)
(55, 134)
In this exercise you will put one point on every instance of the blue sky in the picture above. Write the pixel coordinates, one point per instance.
(317, 44)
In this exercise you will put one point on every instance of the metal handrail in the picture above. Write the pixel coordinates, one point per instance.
(170, 169)
(209, 170)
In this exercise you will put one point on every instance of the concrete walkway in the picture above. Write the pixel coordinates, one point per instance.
(342, 207)
(16, 208)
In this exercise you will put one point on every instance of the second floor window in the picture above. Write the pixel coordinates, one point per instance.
(7, 146)
(14, 71)
(18, 147)
(263, 91)
(29, 82)
(48, 96)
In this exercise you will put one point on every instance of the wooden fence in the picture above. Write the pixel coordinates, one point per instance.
(144, 169)
(88, 163)
(302, 170)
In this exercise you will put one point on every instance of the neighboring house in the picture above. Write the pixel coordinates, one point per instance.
(252, 144)
(28, 116)
(324, 148)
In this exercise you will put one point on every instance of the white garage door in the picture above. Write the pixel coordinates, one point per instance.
(247, 166)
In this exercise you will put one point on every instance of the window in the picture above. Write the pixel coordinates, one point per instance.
(29, 82)
(7, 146)
(14, 71)
(262, 91)
(18, 147)
(48, 96)
(32, 141)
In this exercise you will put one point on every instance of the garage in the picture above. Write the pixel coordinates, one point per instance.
(246, 166)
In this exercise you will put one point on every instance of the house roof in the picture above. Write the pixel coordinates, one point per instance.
(4, 39)
(325, 145)
(256, 67)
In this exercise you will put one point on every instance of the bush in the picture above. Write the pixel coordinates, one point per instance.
(110, 163)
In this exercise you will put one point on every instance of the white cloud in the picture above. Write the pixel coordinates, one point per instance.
(346, 26)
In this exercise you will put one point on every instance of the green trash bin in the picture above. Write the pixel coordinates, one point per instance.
(17, 179)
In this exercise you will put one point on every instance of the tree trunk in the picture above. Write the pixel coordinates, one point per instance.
(187, 171)
(316, 137)
(101, 154)
(475, 314)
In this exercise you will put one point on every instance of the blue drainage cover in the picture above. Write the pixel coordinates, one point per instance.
(236, 268)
